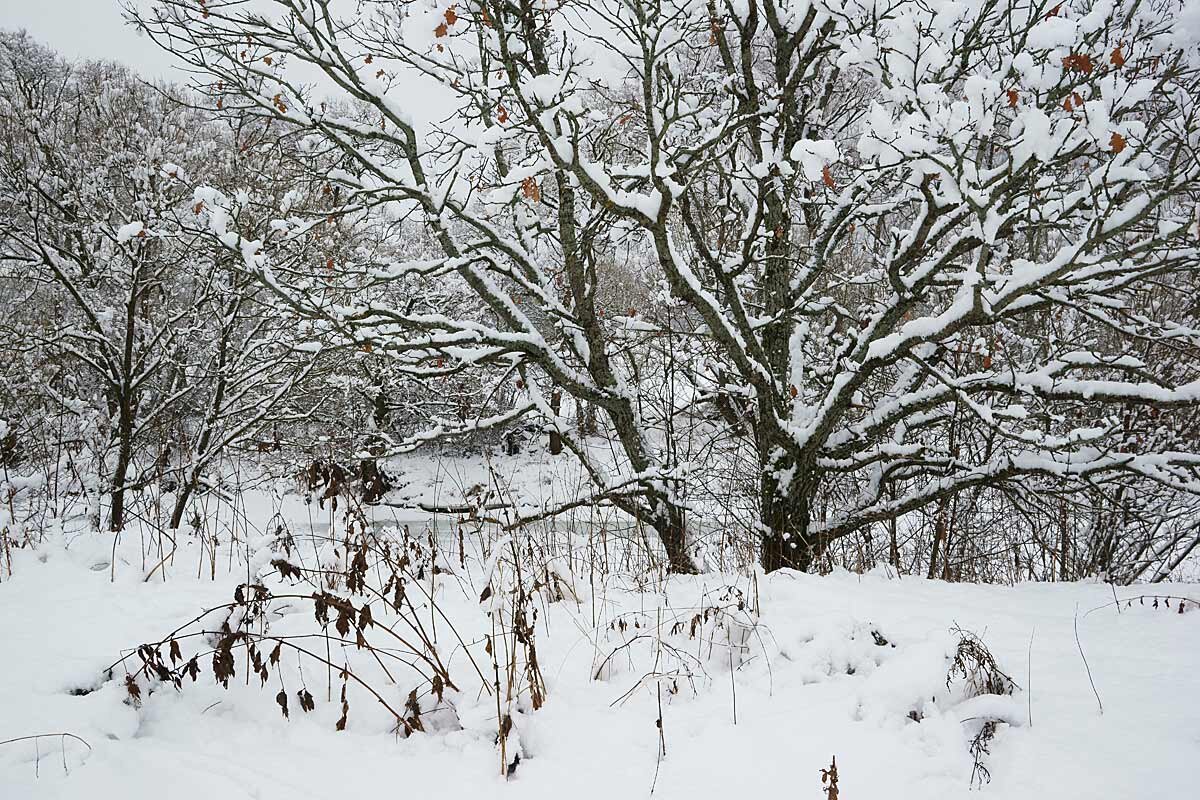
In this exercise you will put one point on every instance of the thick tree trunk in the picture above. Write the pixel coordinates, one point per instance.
(665, 516)
(373, 478)
(181, 500)
(786, 485)
(786, 545)
(672, 532)
(784, 518)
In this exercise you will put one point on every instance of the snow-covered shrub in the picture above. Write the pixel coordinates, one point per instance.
(975, 675)
(975, 667)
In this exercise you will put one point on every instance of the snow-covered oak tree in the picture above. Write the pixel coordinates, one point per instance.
(925, 245)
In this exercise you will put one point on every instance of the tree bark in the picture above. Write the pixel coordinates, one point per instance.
(671, 528)
(784, 519)
(373, 478)
(116, 516)
(126, 403)
(556, 442)
(181, 501)
(585, 418)
(939, 536)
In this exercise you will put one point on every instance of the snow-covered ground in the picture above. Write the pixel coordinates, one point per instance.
(843, 665)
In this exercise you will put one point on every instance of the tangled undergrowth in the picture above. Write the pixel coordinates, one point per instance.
(431, 631)
(367, 610)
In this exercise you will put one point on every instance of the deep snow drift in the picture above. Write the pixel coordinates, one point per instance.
(811, 667)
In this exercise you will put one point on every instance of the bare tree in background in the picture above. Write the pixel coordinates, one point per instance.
(111, 288)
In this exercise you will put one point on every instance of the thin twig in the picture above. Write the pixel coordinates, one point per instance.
(36, 739)
(1085, 661)
(1029, 679)
(44, 735)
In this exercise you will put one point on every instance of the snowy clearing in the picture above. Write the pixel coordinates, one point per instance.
(609, 398)
(841, 665)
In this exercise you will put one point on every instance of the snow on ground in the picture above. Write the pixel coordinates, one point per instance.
(843, 665)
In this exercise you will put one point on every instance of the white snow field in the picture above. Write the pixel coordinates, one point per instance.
(753, 705)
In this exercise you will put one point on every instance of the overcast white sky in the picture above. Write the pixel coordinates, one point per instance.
(85, 29)
(95, 29)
